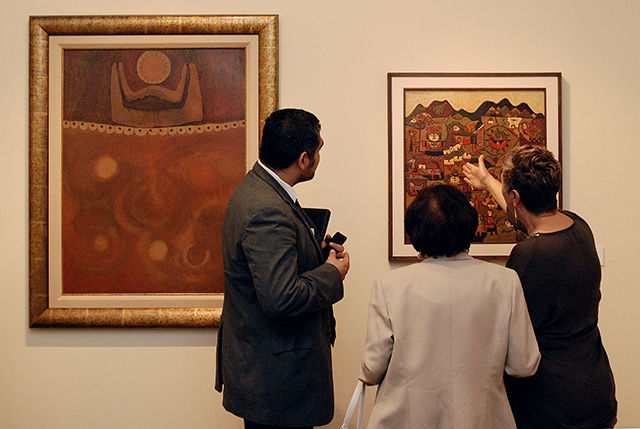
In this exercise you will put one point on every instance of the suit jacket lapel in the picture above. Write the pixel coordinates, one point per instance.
(295, 206)
(307, 222)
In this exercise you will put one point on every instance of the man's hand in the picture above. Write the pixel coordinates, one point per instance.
(342, 264)
(339, 248)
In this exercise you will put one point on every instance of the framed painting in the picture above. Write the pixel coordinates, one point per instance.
(440, 121)
(140, 127)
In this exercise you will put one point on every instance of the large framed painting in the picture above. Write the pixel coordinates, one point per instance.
(140, 129)
(440, 121)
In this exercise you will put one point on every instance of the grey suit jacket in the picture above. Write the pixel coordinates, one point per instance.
(274, 342)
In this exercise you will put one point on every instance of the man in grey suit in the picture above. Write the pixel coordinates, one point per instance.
(277, 328)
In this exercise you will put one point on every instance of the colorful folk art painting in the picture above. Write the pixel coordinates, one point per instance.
(444, 129)
(153, 144)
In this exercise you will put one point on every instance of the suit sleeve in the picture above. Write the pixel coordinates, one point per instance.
(523, 355)
(271, 245)
(379, 343)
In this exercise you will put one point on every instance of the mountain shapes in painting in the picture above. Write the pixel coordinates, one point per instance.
(439, 140)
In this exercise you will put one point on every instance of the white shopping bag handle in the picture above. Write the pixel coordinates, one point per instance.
(358, 397)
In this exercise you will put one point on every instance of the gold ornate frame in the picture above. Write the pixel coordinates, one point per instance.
(41, 28)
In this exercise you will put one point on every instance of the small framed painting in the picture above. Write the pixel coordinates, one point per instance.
(440, 121)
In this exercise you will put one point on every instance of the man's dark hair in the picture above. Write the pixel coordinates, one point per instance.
(441, 221)
(286, 135)
(534, 172)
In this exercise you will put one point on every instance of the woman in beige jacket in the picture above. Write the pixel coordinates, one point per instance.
(442, 332)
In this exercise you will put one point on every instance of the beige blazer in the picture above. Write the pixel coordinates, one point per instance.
(441, 333)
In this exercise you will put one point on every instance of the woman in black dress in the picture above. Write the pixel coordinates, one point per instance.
(560, 274)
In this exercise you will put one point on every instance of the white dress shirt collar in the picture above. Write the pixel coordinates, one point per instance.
(288, 188)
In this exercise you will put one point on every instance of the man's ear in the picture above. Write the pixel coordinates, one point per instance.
(303, 160)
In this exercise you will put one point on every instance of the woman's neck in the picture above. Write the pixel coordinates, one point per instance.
(544, 223)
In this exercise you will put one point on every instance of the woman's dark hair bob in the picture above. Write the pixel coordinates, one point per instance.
(441, 221)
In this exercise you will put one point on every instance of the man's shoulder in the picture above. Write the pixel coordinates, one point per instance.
(254, 190)
(255, 198)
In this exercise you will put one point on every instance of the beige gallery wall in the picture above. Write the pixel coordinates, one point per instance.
(334, 59)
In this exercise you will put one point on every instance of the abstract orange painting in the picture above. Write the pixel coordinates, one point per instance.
(146, 174)
(140, 129)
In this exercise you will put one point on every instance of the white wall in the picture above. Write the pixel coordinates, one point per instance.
(334, 57)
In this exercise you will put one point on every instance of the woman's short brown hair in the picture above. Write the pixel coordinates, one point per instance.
(534, 172)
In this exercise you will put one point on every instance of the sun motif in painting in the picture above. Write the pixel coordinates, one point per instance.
(500, 139)
(153, 67)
